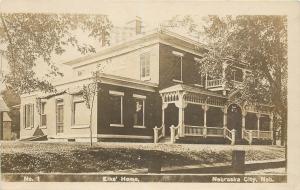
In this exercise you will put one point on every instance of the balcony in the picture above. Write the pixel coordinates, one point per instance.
(214, 83)
(217, 83)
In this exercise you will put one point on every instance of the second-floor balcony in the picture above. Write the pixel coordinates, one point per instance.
(217, 83)
(214, 83)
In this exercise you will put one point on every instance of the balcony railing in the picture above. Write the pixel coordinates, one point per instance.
(214, 83)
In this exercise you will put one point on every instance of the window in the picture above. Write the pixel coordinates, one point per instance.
(145, 66)
(43, 114)
(178, 67)
(81, 113)
(139, 111)
(29, 116)
(59, 116)
(116, 108)
(237, 75)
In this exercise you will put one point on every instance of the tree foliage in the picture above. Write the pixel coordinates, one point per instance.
(259, 41)
(29, 39)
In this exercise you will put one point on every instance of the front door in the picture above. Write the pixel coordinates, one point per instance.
(59, 116)
(171, 118)
(234, 120)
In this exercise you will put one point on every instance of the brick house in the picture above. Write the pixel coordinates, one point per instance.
(150, 90)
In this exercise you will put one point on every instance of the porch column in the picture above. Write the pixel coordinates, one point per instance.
(244, 74)
(205, 108)
(224, 66)
(271, 125)
(181, 104)
(258, 115)
(164, 106)
(224, 119)
(244, 113)
(181, 121)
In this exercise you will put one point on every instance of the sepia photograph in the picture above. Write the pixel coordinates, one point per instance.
(142, 95)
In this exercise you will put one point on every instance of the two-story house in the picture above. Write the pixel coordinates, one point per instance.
(149, 89)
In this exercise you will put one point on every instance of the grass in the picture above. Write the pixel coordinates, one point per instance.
(46, 157)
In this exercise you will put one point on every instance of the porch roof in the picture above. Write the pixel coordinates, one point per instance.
(192, 89)
(3, 106)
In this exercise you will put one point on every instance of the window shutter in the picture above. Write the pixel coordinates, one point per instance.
(142, 63)
(32, 116)
(147, 67)
(24, 116)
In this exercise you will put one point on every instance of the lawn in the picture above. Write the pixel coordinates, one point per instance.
(73, 157)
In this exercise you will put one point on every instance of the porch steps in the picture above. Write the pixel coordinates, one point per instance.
(35, 138)
(165, 140)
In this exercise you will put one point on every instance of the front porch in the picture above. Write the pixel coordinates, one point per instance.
(192, 112)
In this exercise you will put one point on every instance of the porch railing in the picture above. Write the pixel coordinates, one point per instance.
(215, 131)
(229, 135)
(190, 130)
(214, 83)
(266, 134)
(174, 133)
(249, 135)
(158, 133)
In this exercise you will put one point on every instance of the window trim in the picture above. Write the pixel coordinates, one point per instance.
(143, 98)
(180, 55)
(41, 115)
(73, 125)
(117, 93)
(31, 116)
(146, 77)
(59, 101)
(121, 95)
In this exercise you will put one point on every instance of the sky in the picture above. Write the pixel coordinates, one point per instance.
(152, 12)
(119, 12)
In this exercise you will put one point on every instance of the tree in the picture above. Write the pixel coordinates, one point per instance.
(259, 41)
(89, 93)
(28, 40)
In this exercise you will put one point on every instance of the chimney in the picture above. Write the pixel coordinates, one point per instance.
(136, 24)
(104, 41)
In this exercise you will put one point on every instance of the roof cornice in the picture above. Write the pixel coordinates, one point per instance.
(153, 37)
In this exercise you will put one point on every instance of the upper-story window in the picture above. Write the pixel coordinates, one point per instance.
(145, 66)
(178, 67)
(236, 75)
